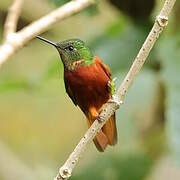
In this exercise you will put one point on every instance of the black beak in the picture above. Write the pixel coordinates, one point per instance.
(47, 41)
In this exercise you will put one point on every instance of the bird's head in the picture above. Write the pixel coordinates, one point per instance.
(72, 52)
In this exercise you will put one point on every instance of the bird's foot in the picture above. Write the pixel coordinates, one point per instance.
(100, 118)
(114, 99)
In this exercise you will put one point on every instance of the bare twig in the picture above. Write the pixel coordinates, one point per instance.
(12, 18)
(19, 39)
(109, 108)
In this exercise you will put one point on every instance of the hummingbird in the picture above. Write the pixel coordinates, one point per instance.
(89, 84)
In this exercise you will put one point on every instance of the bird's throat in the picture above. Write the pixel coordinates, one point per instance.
(73, 65)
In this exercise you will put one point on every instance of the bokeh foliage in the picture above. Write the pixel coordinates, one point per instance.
(122, 166)
(41, 125)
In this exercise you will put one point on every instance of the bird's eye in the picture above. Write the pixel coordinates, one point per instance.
(70, 48)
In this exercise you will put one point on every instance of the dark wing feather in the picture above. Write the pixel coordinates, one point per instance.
(69, 92)
(106, 69)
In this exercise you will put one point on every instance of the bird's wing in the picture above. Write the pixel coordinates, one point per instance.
(70, 94)
(111, 83)
(104, 67)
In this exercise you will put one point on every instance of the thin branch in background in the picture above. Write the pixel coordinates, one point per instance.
(19, 39)
(109, 108)
(12, 18)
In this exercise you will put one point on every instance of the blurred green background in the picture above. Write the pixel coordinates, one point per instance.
(40, 126)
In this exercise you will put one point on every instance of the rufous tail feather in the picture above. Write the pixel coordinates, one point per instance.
(110, 130)
(107, 135)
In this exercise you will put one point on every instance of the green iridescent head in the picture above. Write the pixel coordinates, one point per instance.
(71, 51)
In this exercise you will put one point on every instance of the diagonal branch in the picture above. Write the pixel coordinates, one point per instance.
(12, 18)
(109, 108)
(19, 39)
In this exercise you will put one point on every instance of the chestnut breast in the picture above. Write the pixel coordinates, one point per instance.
(89, 86)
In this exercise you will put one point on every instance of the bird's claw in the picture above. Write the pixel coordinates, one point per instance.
(100, 118)
(115, 100)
